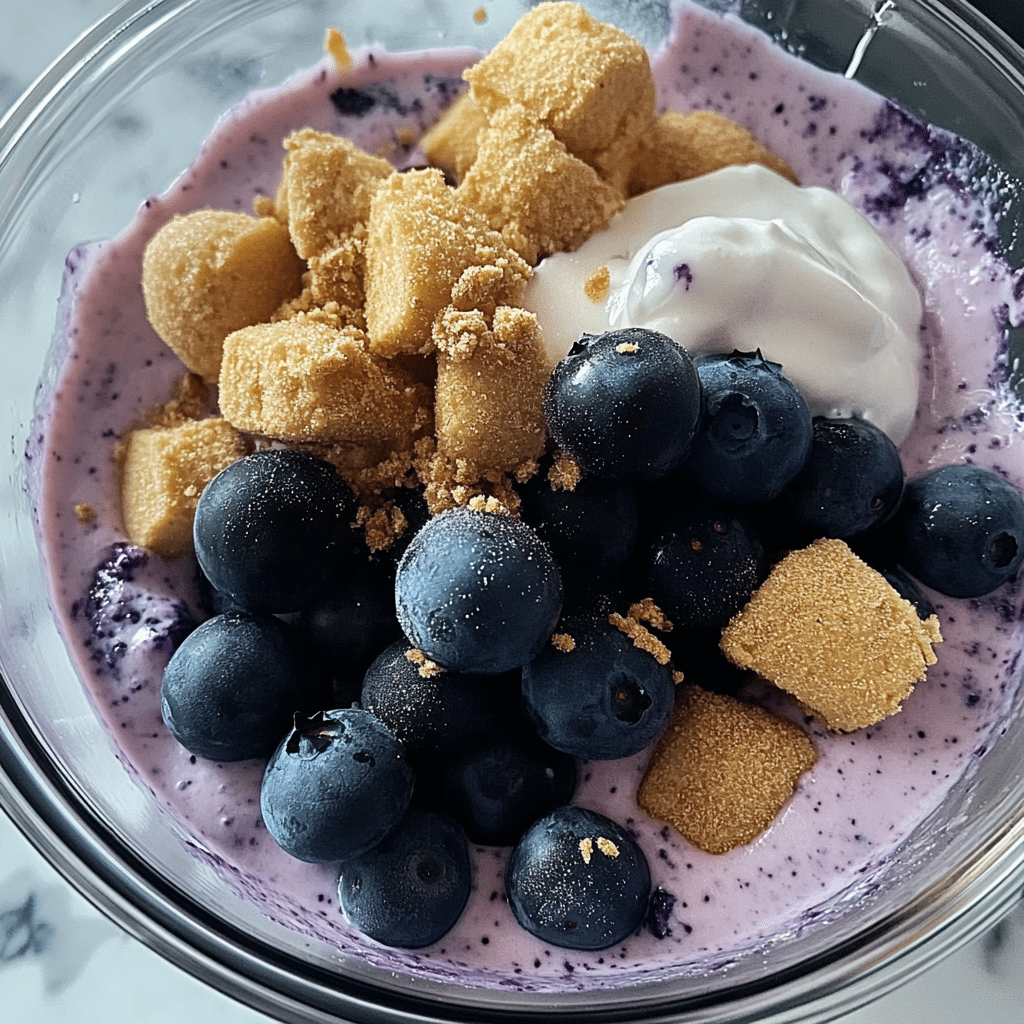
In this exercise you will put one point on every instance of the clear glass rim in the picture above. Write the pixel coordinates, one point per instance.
(45, 804)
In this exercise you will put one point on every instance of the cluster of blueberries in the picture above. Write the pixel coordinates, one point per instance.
(458, 719)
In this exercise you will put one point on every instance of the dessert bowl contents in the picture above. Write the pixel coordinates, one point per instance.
(465, 308)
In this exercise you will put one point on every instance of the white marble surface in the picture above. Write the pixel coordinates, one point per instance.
(62, 961)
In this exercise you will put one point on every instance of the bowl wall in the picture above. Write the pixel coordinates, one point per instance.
(114, 121)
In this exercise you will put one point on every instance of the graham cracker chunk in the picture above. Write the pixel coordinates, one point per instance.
(828, 629)
(723, 769)
(304, 380)
(211, 272)
(480, 415)
(326, 189)
(588, 82)
(451, 142)
(684, 146)
(163, 471)
(420, 243)
(528, 186)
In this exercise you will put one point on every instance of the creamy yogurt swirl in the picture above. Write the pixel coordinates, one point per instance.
(751, 261)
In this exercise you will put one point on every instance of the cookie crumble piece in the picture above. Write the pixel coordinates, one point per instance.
(163, 470)
(723, 770)
(530, 188)
(211, 272)
(598, 285)
(647, 611)
(587, 82)
(427, 668)
(683, 146)
(641, 637)
(335, 45)
(564, 642)
(565, 473)
(832, 632)
(421, 241)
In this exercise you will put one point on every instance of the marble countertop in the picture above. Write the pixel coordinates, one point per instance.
(62, 961)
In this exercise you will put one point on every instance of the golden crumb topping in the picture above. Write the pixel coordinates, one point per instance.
(427, 668)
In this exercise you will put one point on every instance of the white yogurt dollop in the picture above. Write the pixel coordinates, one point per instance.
(752, 261)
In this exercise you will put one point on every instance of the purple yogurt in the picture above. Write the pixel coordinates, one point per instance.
(122, 610)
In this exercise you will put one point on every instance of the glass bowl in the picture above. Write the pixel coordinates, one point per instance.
(113, 121)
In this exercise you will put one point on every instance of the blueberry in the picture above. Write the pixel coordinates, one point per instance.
(231, 688)
(503, 783)
(478, 592)
(696, 652)
(431, 715)
(337, 785)
(272, 529)
(903, 583)
(354, 622)
(704, 565)
(624, 404)
(410, 890)
(591, 530)
(211, 600)
(960, 530)
(852, 481)
(604, 699)
(578, 880)
(755, 434)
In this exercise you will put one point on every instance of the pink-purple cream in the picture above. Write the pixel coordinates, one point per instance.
(868, 790)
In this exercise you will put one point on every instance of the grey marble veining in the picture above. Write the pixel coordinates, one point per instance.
(61, 961)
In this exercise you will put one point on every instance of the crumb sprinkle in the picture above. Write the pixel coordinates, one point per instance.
(641, 637)
(85, 513)
(564, 642)
(564, 474)
(598, 285)
(335, 45)
(427, 668)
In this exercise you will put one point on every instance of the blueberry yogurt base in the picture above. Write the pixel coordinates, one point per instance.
(868, 789)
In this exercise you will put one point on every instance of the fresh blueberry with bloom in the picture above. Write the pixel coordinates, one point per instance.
(755, 434)
(477, 591)
(272, 529)
(230, 690)
(337, 785)
(497, 787)
(960, 530)
(578, 880)
(624, 404)
(852, 482)
(433, 713)
(411, 889)
(604, 699)
(704, 564)
(591, 529)
(347, 628)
